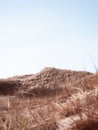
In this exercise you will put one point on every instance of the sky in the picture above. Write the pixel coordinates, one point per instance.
(48, 33)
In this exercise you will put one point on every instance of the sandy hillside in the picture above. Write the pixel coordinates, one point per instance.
(48, 78)
(52, 99)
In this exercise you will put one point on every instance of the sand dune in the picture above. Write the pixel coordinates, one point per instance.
(52, 99)
(48, 78)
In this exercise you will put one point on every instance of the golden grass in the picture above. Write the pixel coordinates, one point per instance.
(72, 107)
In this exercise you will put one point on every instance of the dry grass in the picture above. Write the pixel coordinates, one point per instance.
(73, 106)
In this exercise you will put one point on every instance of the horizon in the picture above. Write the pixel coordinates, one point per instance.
(44, 69)
(18, 75)
(56, 33)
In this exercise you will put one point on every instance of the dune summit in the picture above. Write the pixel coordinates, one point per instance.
(48, 78)
(52, 99)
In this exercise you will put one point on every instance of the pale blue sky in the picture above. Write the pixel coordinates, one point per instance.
(47, 33)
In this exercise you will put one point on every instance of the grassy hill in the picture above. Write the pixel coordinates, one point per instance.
(52, 99)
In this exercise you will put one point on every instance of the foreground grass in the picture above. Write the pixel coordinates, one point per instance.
(74, 108)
